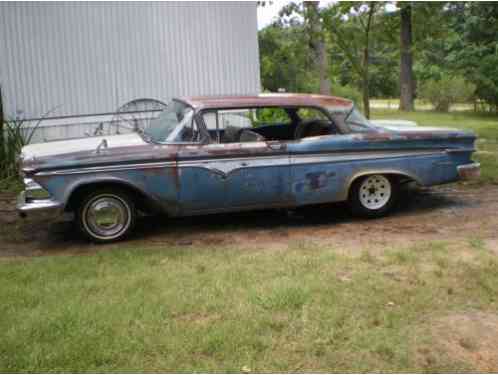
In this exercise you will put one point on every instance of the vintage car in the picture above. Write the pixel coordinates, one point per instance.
(206, 155)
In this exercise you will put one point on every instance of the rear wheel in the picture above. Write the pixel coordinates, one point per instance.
(373, 195)
(106, 215)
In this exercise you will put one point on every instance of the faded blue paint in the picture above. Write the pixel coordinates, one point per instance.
(202, 178)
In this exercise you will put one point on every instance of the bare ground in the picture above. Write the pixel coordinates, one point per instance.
(469, 338)
(449, 213)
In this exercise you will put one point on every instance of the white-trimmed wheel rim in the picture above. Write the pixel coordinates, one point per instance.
(106, 216)
(375, 191)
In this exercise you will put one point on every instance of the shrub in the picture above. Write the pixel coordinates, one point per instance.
(446, 91)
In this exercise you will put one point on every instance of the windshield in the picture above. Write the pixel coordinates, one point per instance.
(174, 124)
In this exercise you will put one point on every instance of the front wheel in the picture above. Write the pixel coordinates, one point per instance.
(373, 195)
(106, 215)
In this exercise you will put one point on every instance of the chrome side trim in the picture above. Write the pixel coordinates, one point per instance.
(110, 168)
(227, 165)
(456, 150)
(306, 159)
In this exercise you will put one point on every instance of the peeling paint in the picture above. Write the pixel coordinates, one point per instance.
(186, 179)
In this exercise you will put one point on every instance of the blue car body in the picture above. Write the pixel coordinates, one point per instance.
(190, 178)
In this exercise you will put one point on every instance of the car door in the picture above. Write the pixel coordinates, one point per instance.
(217, 177)
(226, 175)
(317, 168)
(257, 175)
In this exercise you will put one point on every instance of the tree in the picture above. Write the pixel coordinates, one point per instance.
(314, 25)
(406, 82)
(474, 47)
(351, 25)
(284, 59)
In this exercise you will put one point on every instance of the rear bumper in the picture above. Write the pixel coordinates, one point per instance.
(47, 208)
(469, 171)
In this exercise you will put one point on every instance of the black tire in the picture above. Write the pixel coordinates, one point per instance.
(364, 202)
(115, 201)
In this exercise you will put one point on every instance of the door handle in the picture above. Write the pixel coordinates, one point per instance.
(244, 164)
(275, 146)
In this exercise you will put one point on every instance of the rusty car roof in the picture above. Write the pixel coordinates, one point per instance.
(265, 100)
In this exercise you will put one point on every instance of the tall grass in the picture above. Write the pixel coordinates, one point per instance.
(16, 134)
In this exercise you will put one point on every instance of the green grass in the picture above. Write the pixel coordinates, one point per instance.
(301, 308)
(483, 124)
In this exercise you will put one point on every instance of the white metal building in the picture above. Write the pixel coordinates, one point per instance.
(89, 58)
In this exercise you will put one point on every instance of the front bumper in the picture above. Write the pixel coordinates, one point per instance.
(39, 207)
(469, 171)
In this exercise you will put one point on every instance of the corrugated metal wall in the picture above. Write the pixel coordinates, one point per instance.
(92, 57)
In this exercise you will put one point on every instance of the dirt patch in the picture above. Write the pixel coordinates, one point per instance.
(444, 213)
(470, 338)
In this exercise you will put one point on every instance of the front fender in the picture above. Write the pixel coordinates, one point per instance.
(155, 186)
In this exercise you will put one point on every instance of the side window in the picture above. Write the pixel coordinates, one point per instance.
(225, 125)
(311, 114)
(313, 123)
(269, 116)
(249, 124)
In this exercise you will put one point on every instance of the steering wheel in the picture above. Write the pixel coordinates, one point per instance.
(320, 127)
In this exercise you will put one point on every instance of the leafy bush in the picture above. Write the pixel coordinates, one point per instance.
(446, 91)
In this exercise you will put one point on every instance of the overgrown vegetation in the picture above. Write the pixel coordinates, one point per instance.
(16, 136)
(17, 133)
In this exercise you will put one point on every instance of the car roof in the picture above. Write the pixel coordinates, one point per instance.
(267, 100)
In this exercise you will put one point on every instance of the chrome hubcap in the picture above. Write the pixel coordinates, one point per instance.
(375, 192)
(107, 216)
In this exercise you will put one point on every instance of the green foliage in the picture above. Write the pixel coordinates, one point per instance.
(285, 60)
(474, 49)
(449, 39)
(348, 92)
(265, 116)
(446, 91)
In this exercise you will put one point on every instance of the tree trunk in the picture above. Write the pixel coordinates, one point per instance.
(365, 62)
(406, 82)
(317, 42)
(323, 68)
(364, 85)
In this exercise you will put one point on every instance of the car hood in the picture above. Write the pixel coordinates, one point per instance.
(47, 149)
(85, 152)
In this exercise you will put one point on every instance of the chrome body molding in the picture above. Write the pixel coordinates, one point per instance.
(107, 168)
(227, 165)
